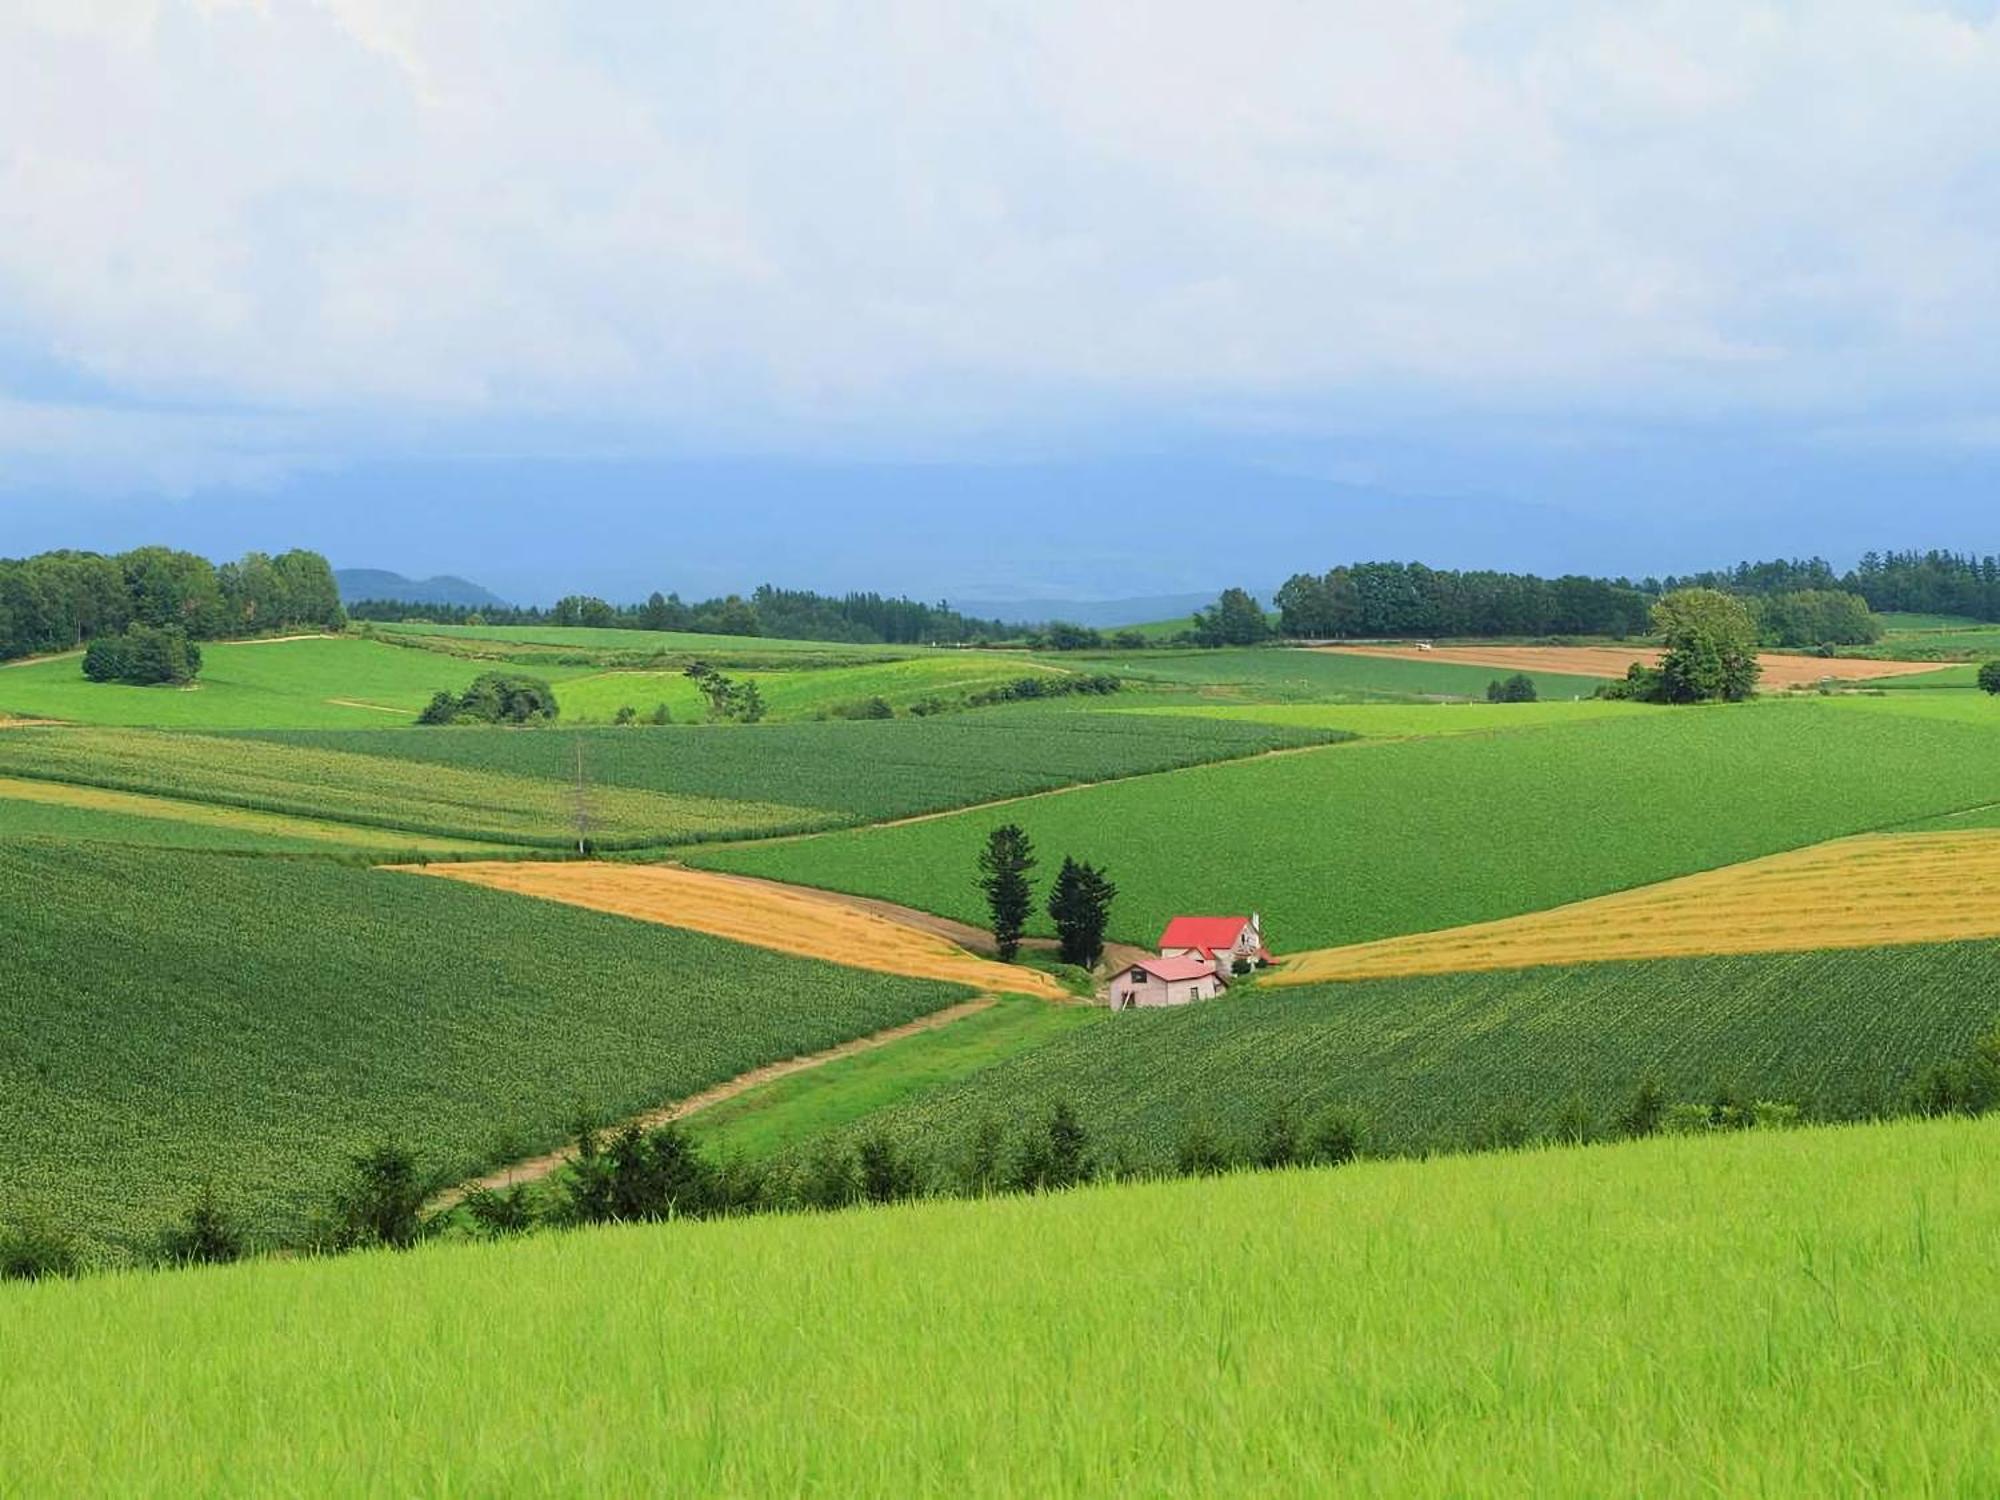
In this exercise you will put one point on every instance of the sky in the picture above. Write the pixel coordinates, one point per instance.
(1021, 300)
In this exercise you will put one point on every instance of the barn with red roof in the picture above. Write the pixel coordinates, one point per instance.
(1221, 942)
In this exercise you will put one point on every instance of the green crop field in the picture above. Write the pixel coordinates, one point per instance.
(804, 695)
(636, 642)
(178, 1017)
(320, 682)
(846, 771)
(1272, 674)
(1377, 838)
(377, 791)
(1431, 1063)
(57, 810)
(784, 1113)
(1773, 1313)
(1399, 720)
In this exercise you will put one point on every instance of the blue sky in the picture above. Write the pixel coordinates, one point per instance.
(1017, 300)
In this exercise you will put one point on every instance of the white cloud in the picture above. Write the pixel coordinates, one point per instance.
(809, 222)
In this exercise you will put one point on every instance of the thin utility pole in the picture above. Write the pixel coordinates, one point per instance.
(582, 802)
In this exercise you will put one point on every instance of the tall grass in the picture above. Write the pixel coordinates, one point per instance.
(1794, 1313)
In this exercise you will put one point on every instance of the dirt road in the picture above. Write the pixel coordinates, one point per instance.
(535, 1168)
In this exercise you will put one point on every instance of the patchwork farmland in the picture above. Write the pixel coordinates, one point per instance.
(594, 969)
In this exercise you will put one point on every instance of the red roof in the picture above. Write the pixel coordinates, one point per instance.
(1175, 969)
(1206, 933)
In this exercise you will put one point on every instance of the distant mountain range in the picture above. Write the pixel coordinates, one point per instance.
(378, 583)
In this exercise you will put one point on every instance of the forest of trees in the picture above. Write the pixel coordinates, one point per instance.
(57, 601)
(1409, 599)
(784, 614)
(1925, 583)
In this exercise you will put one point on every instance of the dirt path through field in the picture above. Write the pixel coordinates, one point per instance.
(1870, 891)
(1781, 670)
(380, 708)
(535, 1168)
(764, 914)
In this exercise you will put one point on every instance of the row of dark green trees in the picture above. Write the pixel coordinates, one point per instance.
(783, 614)
(58, 601)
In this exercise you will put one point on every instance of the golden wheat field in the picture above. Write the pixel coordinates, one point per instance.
(1780, 669)
(1864, 892)
(784, 919)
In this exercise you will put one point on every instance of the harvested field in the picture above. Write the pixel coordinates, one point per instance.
(1876, 890)
(1780, 670)
(760, 913)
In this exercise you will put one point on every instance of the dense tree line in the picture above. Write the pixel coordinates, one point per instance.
(1371, 599)
(783, 614)
(58, 601)
(1929, 583)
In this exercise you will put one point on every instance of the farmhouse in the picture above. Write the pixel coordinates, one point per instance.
(1219, 941)
(1165, 981)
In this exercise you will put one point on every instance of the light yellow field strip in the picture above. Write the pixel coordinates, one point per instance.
(1872, 891)
(213, 815)
(791, 919)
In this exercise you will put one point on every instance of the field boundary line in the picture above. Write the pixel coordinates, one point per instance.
(536, 1168)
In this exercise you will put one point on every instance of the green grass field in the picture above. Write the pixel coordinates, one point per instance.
(638, 642)
(791, 1110)
(1273, 674)
(442, 801)
(327, 682)
(1773, 1313)
(1432, 1063)
(1377, 838)
(182, 1017)
(56, 810)
(1398, 720)
(845, 771)
(802, 695)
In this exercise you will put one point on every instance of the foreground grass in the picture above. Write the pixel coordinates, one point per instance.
(1814, 1312)
(1377, 839)
(169, 1018)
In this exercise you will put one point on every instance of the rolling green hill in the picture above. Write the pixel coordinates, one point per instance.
(253, 1022)
(325, 682)
(1274, 674)
(1772, 1313)
(1378, 838)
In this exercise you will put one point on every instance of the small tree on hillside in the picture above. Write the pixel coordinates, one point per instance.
(1989, 676)
(1003, 874)
(1235, 619)
(1520, 688)
(1080, 906)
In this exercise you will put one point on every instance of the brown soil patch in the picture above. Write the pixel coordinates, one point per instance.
(1781, 670)
(1872, 891)
(764, 914)
(538, 1167)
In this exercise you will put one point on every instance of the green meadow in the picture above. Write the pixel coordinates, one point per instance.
(951, 677)
(1376, 838)
(1768, 1313)
(1271, 674)
(327, 682)
(634, 642)
(173, 1019)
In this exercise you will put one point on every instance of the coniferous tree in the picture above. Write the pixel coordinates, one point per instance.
(1080, 906)
(1003, 874)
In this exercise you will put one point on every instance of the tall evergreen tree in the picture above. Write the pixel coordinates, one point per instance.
(1080, 906)
(1003, 874)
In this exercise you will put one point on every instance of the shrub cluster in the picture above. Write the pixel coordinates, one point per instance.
(495, 698)
(1023, 689)
(143, 654)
